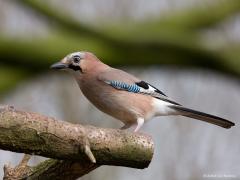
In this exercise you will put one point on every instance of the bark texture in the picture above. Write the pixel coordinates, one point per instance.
(75, 149)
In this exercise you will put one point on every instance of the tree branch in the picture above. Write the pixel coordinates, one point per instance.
(49, 169)
(77, 147)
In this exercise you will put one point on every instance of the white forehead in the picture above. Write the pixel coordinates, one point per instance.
(81, 54)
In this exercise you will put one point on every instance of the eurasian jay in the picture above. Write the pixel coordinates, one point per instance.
(124, 96)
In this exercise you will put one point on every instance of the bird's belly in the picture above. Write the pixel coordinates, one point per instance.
(113, 105)
(122, 105)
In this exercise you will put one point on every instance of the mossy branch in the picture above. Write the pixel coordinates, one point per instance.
(193, 18)
(169, 40)
(79, 149)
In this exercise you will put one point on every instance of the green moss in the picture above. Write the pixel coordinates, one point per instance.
(10, 77)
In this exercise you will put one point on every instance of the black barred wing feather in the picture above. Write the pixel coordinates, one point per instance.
(124, 86)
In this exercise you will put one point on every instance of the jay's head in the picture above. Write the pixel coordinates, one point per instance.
(78, 62)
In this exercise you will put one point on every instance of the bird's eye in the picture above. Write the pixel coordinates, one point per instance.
(76, 59)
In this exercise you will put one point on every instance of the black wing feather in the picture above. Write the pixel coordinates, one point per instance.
(153, 91)
(145, 85)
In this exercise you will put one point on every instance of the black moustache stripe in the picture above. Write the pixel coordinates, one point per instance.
(75, 68)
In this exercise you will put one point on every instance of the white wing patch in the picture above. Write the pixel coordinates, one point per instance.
(149, 89)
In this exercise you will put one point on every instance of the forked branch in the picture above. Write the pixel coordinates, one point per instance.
(78, 149)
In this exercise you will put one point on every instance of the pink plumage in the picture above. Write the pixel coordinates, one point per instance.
(124, 96)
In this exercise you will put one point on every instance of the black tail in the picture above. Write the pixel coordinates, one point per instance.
(203, 116)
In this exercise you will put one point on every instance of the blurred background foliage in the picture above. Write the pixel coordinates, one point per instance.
(189, 33)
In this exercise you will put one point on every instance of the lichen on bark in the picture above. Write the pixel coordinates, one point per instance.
(75, 149)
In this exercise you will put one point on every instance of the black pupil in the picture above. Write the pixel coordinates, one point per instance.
(76, 59)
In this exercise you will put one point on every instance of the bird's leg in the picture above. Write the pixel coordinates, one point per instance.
(140, 122)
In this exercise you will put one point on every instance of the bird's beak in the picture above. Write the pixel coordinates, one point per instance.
(59, 65)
